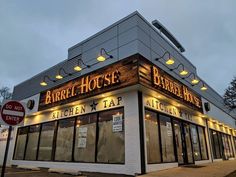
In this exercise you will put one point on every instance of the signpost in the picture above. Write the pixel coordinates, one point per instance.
(12, 114)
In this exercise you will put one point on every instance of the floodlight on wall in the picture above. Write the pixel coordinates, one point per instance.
(169, 61)
(79, 65)
(182, 71)
(59, 74)
(203, 86)
(44, 83)
(194, 79)
(103, 55)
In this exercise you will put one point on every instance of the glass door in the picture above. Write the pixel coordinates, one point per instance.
(188, 143)
(183, 143)
(179, 142)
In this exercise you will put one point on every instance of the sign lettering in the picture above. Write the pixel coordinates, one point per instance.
(164, 82)
(87, 85)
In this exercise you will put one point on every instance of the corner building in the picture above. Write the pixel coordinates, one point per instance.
(131, 112)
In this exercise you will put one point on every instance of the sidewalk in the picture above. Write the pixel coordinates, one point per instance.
(216, 169)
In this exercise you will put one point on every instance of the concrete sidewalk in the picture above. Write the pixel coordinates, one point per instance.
(216, 169)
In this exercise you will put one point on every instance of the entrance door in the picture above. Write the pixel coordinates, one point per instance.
(183, 143)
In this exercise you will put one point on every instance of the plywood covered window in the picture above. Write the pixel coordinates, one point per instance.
(111, 137)
(32, 144)
(85, 139)
(64, 142)
(20, 143)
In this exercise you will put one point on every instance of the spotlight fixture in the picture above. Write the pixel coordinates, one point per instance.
(59, 75)
(182, 72)
(194, 79)
(169, 61)
(102, 55)
(203, 88)
(78, 66)
(43, 82)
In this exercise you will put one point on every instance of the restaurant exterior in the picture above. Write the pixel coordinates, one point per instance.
(121, 103)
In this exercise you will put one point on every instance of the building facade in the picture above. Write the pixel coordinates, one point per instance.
(132, 110)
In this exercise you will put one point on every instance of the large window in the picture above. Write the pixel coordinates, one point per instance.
(161, 140)
(32, 145)
(235, 143)
(231, 146)
(215, 144)
(152, 137)
(203, 147)
(46, 141)
(64, 141)
(85, 140)
(110, 147)
(221, 145)
(167, 144)
(195, 142)
(97, 137)
(20, 143)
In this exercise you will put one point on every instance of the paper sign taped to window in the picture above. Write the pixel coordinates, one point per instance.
(83, 131)
(169, 128)
(117, 124)
(82, 142)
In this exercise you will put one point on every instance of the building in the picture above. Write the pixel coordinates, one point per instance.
(125, 101)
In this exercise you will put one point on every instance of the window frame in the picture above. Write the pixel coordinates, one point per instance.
(56, 122)
(174, 143)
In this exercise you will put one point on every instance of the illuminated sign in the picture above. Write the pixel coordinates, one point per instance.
(167, 108)
(112, 77)
(164, 82)
(86, 85)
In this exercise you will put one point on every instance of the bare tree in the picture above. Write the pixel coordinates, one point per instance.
(5, 94)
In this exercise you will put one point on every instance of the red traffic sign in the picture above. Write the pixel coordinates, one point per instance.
(13, 113)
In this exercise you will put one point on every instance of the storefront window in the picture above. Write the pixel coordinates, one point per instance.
(215, 144)
(32, 145)
(20, 144)
(202, 141)
(167, 144)
(220, 144)
(230, 146)
(152, 137)
(195, 142)
(85, 139)
(110, 147)
(235, 143)
(226, 146)
(46, 141)
(64, 142)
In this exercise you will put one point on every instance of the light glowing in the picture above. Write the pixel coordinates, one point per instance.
(77, 68)
(195, 81)
(43, 83)
(170, 61)
(183, 72)
(58, 76)
(101, 58)
(203, 88)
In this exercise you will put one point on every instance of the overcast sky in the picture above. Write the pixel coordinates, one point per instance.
(35, 35)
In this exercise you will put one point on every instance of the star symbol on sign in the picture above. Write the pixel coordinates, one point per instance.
(93, 106)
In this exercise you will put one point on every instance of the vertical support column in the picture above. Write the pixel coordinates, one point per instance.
(210, 150)
(141, 133)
